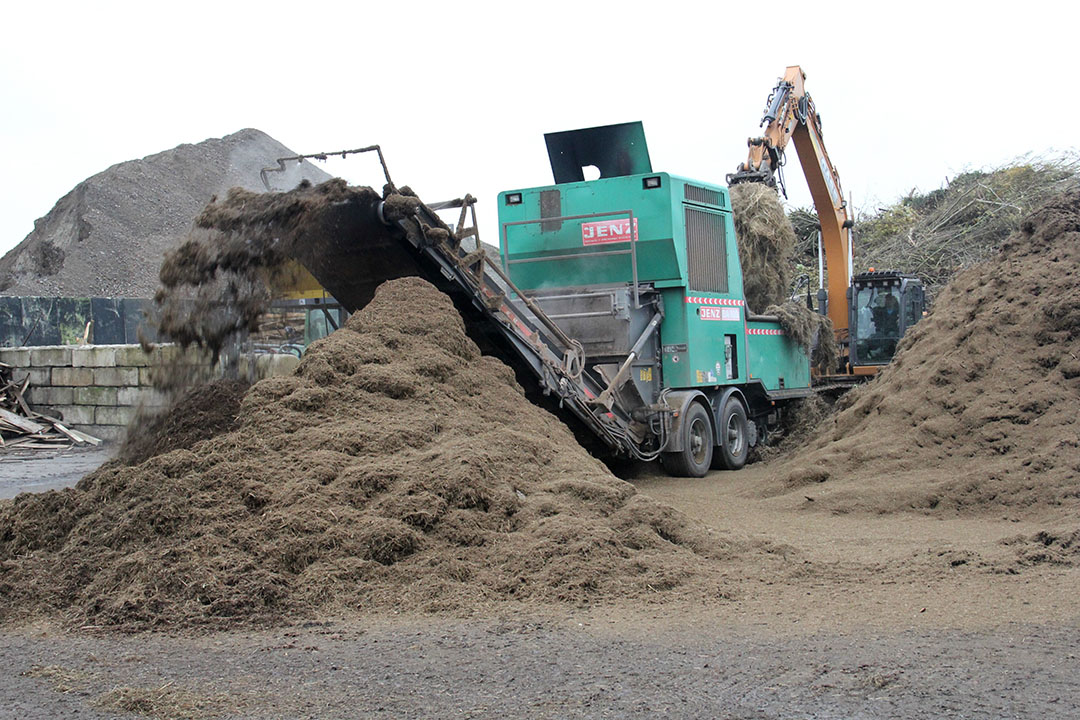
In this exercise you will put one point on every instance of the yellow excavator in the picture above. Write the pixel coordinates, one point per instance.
(870, 311)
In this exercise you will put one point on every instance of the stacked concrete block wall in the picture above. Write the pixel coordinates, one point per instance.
(99, 389)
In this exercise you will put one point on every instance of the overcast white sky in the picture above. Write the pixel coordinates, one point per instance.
(460, 94)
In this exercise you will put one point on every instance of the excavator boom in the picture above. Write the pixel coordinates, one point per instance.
(790, 116)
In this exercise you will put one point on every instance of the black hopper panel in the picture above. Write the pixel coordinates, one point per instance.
(615, 150)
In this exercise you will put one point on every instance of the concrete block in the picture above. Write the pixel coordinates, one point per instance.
(174, 375)
(76, 414)
(108, 433)
(195, 374)
(133, 356)
(47, 410)
(194, 355)
(140, 396)
(16, 357)
(95, 395)
(94, 356)
(49, 395)
(74, 377)
(51, 356)
(170, 353)
(163, 353)
(38, 376)
(270, 365)
(116, 377)
(113, 415)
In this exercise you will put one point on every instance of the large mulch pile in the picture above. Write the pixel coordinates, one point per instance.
(397, 469)
(978, 413)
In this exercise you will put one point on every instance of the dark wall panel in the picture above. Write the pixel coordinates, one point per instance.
(62, 321)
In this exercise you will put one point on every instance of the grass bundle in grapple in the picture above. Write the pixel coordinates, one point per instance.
(810, 330)
(766, 242)
(766, 245)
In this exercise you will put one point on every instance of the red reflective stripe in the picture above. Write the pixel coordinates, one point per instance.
(714, 301)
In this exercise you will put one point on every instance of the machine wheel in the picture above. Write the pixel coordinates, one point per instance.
(734, 437)
(697, 436)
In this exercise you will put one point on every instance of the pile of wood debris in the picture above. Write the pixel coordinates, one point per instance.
(22, 428)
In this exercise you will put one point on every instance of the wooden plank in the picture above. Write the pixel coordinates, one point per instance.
(70, 435)
(25, 424)
(42, 416)
(19, 397)
(67, 433)
(81, 436)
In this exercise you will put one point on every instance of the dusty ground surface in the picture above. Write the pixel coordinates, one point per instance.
(557, 667)
(38, 471)
(874, 620)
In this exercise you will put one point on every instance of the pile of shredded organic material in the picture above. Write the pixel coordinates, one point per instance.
(397, 469)
(195, 414)
(978, 411)
(798, 424)
(766, 243)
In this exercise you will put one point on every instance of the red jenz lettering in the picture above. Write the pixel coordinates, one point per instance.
(711, 313)
(607, 231)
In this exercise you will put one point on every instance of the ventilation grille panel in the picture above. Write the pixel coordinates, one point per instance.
(706, 251)
(697, 194)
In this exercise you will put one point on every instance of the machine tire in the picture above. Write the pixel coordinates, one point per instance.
(734, 433)
(696, 456)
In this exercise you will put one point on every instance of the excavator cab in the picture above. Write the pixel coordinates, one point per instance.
(883, 305)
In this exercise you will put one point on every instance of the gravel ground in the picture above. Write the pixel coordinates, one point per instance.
(878, 624)
(41, 470)
(568, 667)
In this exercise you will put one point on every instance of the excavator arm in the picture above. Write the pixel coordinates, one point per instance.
(790, 116)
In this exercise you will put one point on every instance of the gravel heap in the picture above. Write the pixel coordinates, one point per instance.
(108, 236)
